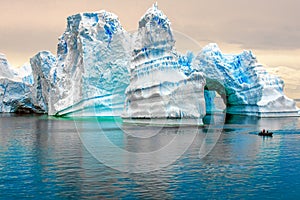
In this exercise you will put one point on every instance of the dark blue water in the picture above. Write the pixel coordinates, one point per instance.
(48, 158)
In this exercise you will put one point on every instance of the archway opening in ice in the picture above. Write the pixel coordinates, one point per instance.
(215, 97)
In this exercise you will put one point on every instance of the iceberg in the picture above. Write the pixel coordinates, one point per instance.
(162, 84)
(41, 65)
(244, 84)
(102, 70)
(92, 70)
(15, 88)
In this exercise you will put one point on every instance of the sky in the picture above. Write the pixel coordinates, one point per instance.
(270, 28)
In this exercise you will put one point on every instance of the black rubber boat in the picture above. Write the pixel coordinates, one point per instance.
(262, 133)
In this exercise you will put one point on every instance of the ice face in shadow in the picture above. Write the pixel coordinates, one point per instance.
(245, 84)
(92, 73)
(162, 85)
(41, 64)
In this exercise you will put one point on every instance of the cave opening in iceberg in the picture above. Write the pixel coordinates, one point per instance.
(215, 99)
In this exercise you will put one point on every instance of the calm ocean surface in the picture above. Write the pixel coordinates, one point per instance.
(47, 158)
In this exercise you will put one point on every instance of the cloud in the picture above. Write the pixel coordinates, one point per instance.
(33, 25)
(252, 24)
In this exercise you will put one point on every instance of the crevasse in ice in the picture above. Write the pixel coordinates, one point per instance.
(162, 84)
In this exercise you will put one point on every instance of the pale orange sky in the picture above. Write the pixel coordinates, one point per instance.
(270, 28)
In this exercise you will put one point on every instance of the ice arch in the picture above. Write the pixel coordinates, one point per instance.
(245, 85)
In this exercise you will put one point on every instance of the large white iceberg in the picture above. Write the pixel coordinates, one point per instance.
(92, 72)
(161, 84)
(97, 60)
(244, 84)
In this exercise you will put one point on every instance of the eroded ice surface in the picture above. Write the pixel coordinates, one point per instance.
(92, 72)
(161, 84)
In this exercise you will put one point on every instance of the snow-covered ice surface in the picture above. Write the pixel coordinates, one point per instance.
(248, 88)
(92, 72)
(162, 85)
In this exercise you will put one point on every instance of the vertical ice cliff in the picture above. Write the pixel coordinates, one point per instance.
(161, 83)
(41, 65)
(244, 83)
(92, 72)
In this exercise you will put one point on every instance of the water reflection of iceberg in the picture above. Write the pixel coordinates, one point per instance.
(269, 123)
(144, 148)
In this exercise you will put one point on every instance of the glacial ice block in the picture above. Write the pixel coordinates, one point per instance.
(41, 64)
(244, 83)
(15, 88)
(161, 84)
(92, 70)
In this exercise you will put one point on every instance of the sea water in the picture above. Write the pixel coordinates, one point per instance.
(75, 158)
